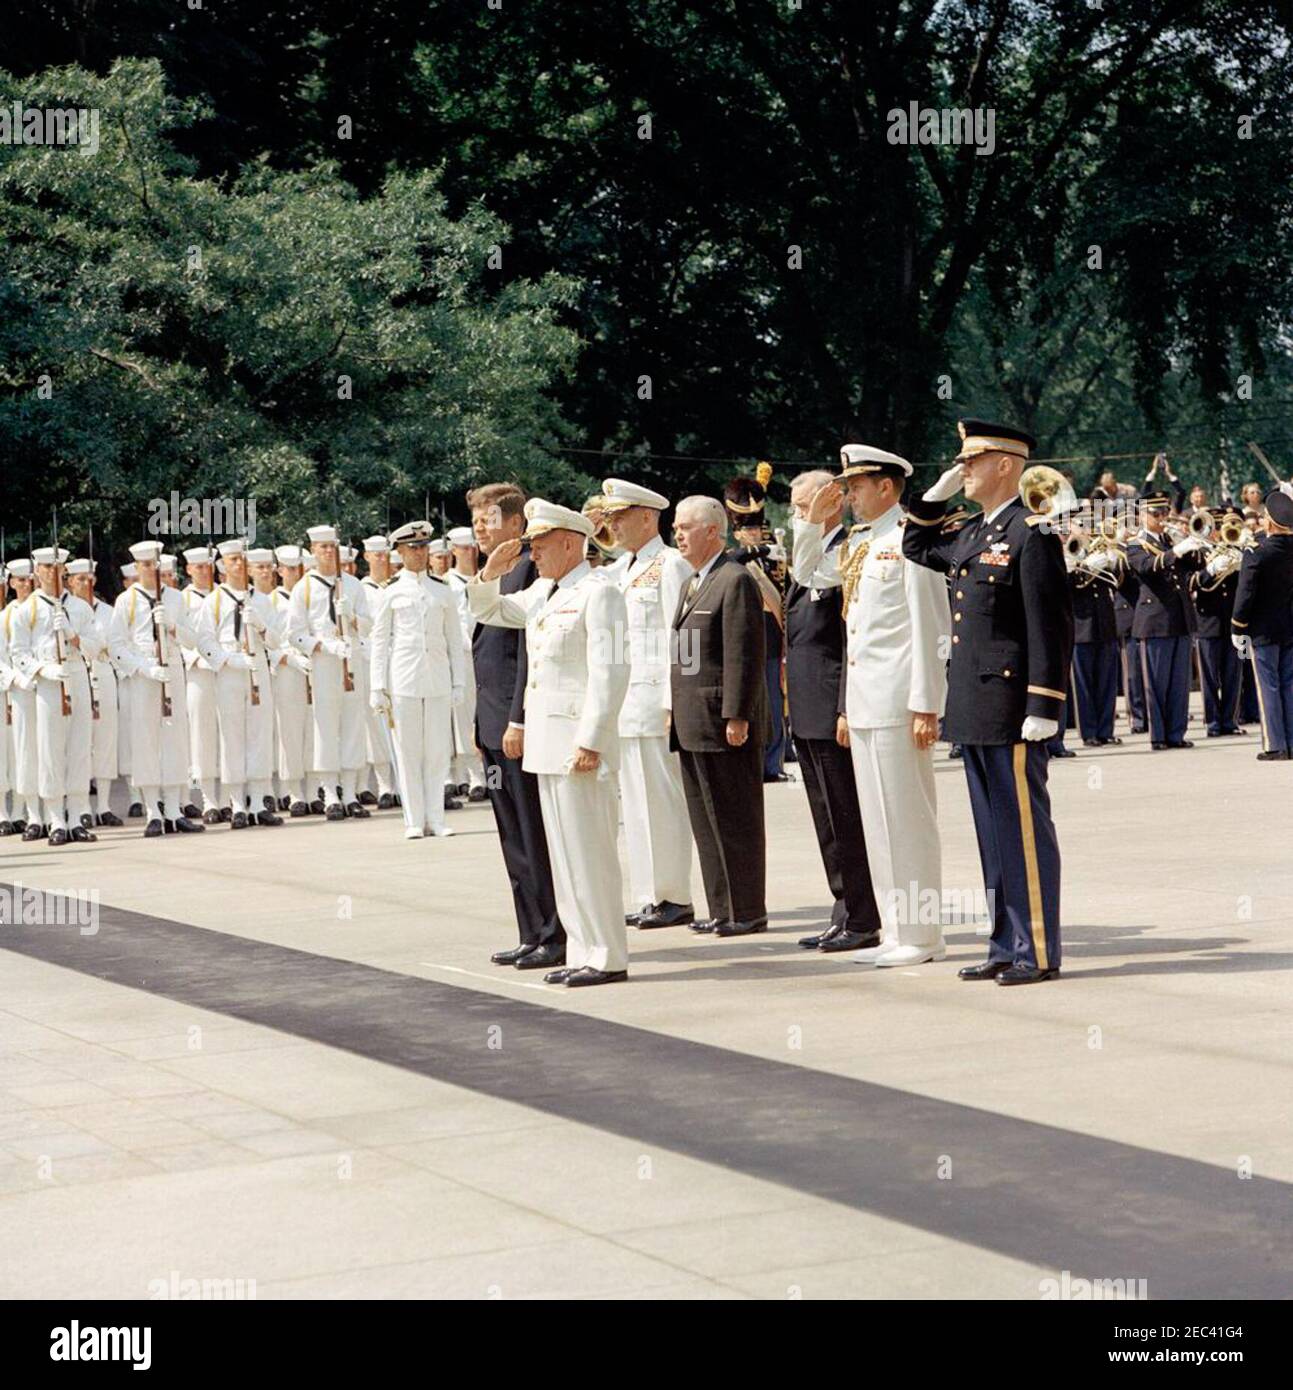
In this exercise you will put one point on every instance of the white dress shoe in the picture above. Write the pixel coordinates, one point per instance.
(442, 832)
(414, 832)
(868, 955)
(912, 955)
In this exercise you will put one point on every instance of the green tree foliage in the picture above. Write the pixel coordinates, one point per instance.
(273, 336)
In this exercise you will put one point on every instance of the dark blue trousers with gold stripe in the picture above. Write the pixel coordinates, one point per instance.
(1018, 849)
(1095, 683)
(1167, 687)
(1273, 663)
(1220, 666)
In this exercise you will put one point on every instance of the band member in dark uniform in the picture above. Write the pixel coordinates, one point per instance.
(1012, 643)
(1263, 621)
(1094, 571)
(1212, 590)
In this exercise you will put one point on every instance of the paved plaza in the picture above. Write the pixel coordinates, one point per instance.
(282, 1058)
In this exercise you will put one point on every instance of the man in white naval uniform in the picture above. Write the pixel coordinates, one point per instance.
(149, 623)
(6, 680)
(200, 691)
(418, 674)
(52, 637)
(468, 769)
(23, 775)
(293, 693)
(898, 626)
(104, 762)
(327, 617)
(232, 633)
(576, 647)
(657, 830)
(377, 558)
(125, 694)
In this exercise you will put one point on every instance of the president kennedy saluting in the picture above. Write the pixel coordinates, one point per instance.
(720, 719)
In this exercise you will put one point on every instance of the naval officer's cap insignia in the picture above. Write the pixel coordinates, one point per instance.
(413, 533)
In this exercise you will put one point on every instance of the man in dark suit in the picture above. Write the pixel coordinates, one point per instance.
(1262, 623)
(720, 719)
(814, 670)
(498, 655)
(1012, 644)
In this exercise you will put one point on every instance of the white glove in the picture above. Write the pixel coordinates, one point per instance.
(377, 701)
(160, 674)
(60, 619)
(52, 671)
(254, 621)
(342, 607)
(1035, 729)
(1188, 545)
(948, 485)
(298, 661)
(334, 646)
(457, 696)
(1222, 563)
(1101, 560)
(1239, 643)
(239, 661)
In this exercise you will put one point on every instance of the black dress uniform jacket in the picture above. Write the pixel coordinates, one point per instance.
(1163, 607)
(498, 655)
(1124, 602)
(1214, 604)
(1264, 598)
(1012, 618)
(1093, 614)
(815, 655)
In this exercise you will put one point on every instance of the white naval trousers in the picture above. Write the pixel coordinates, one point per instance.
(580, 821)
(291, 719)
(22, 764)
(204, 727)
(159, 749)
(246, 736)
(657, 831)
(125, 694)
(339, 735)
(104, 752)
(63, 741)
(467, 768)
(899, 804)
(422, 750)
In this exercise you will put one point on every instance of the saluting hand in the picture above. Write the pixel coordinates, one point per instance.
(824, 502)
(502, 559)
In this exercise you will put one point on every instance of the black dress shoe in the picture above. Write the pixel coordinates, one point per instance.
(451, 803)
(1276, 755)
(268, 818)
(1093, 742)
(19, 826)
(478, 794)
(666, 914)
(187, 826)
(1063, 753)
(987, 970)
(955, 751)
(191, 811)
(168, 826)
(1158, 747)
(284, 803)
(709, 924)
(211, 817)
(335, 812)
(317, 809)
(357, 811)
(87, 820)
(58, 837)
(366, 798)
(109, 818)
(550, 953)
(6, 827)
(136, 811)
(588, 976)
(631, 919)
(778, 777)
(1114, 740)
(847, 940)
(226, 813)
(239, 821)
(1184, 743)
(558, 977)
(153, 829)
(298, 809)
(386, 802)
(741, 928)
(1026, 975)
(34, 831)
(82, 836)
(512, 954)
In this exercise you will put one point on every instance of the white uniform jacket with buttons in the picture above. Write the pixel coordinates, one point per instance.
(310, 617)
(132, 635)
(220, 633)
(33, 641)
(416, 640)
(898, 624)
(652, 582)
(576, 649)
(194, 598)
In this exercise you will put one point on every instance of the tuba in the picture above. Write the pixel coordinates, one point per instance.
(1046, 492)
